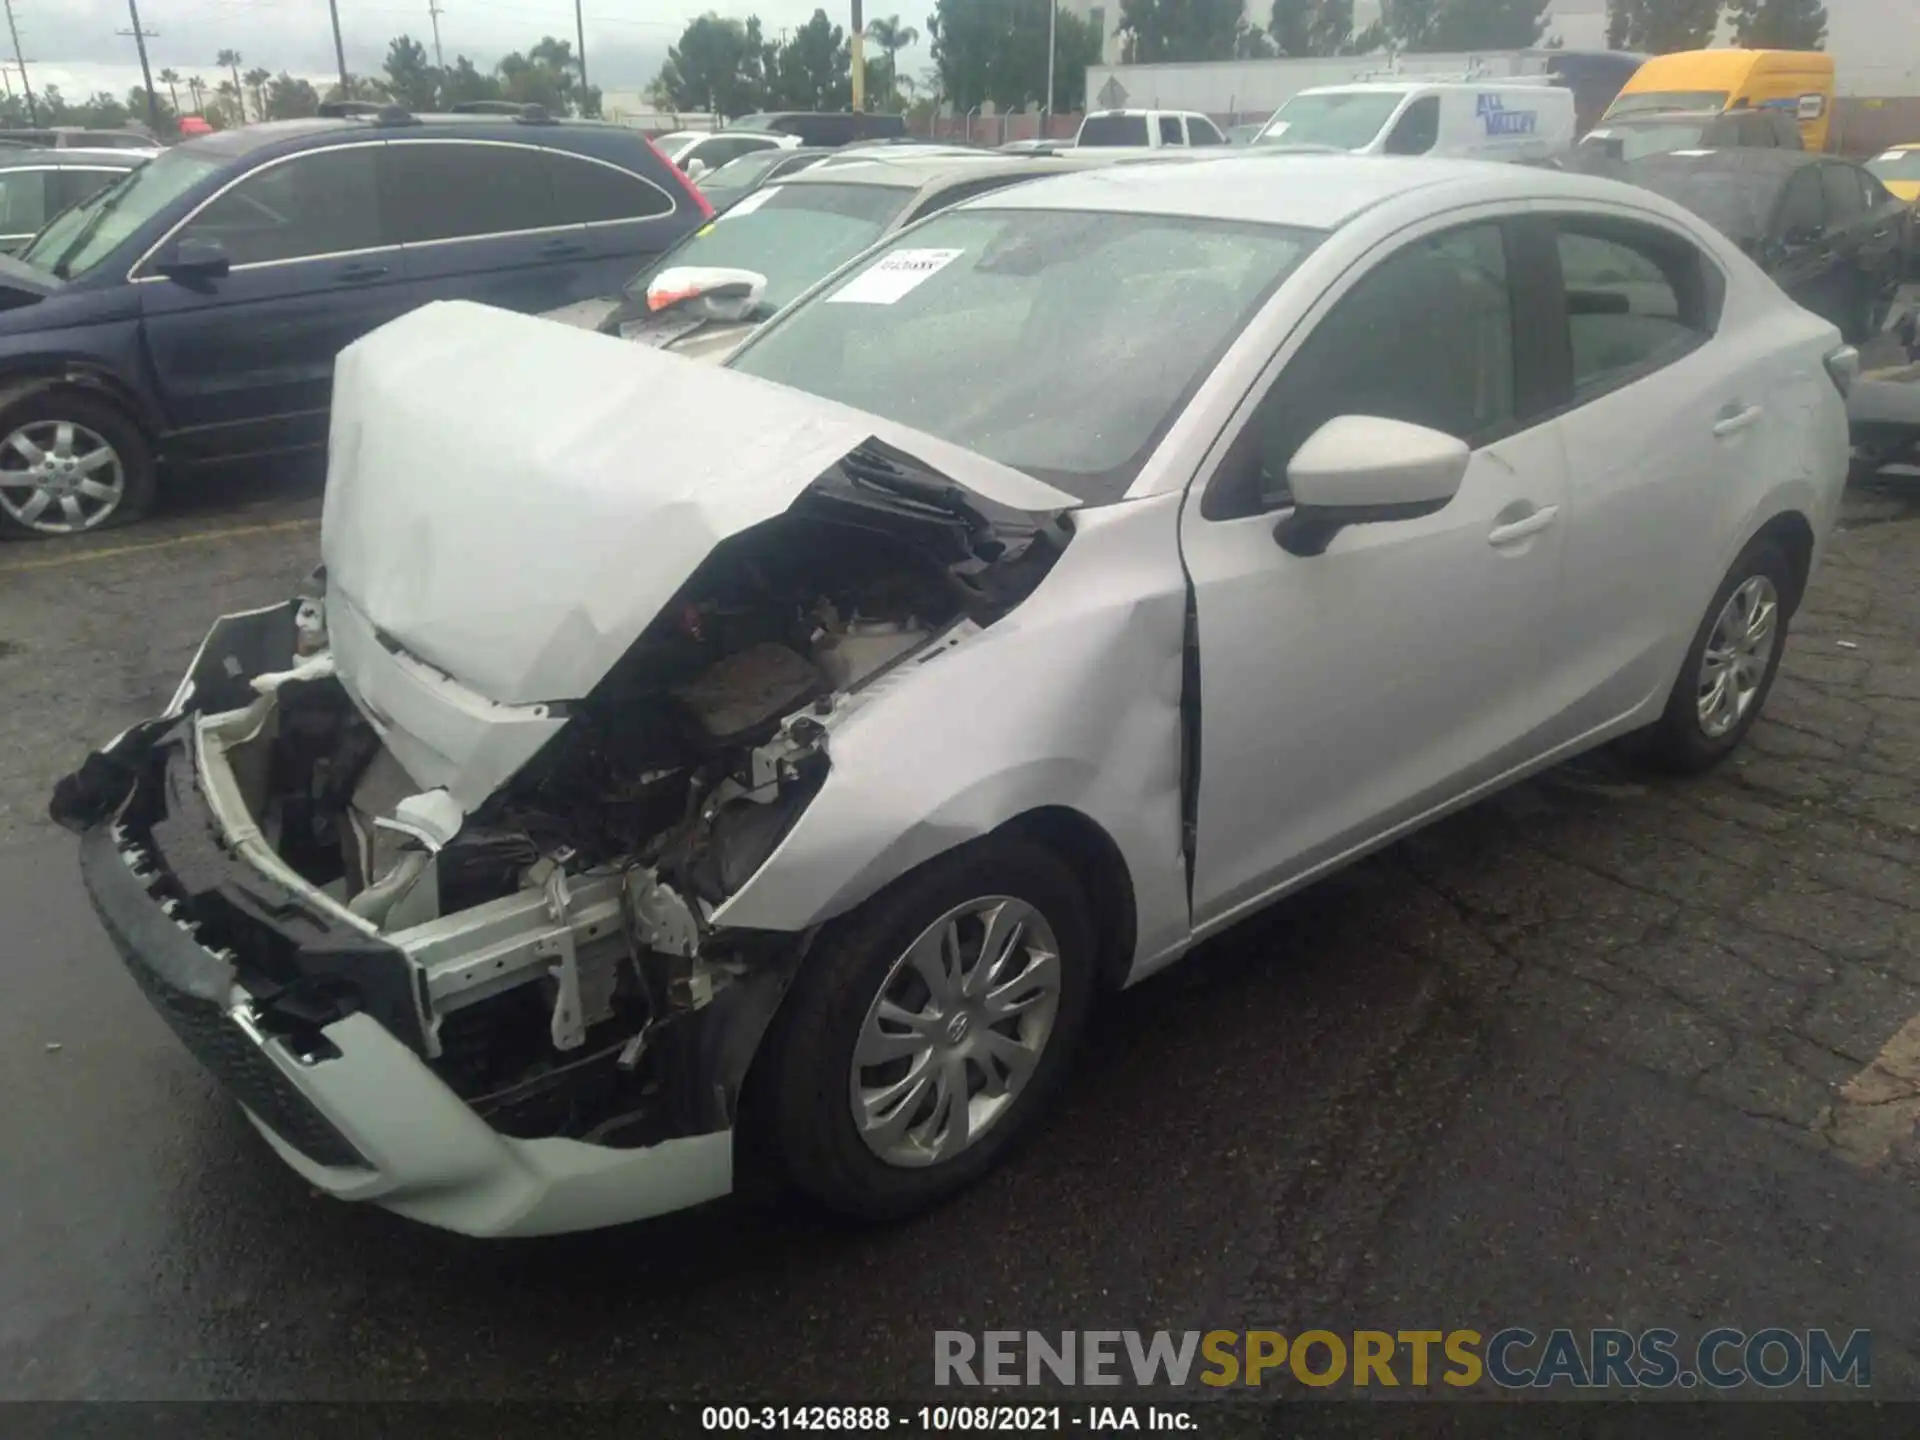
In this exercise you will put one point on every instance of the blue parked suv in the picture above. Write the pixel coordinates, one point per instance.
(192, 311)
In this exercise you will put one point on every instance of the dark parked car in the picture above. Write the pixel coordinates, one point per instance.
(840, 127)
(1635, 137)
(77, 137)
(192, 311)
(1825, 229)
(36, 185)
(737, 179)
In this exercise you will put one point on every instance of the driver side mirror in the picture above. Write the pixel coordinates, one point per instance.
(1365, 469)
(194, 257)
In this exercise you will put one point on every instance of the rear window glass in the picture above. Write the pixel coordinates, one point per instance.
(1114, 130)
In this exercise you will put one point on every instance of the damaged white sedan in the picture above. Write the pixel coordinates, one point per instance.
(668, 754)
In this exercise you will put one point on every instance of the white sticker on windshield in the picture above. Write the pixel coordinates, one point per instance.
(893, 276)
(752, 203)
(1690, 152)
(1892, 155)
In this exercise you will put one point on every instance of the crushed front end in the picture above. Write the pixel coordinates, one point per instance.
(509, 1014)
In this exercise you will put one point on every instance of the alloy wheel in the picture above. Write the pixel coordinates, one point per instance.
(59, 477)
(956, 1030)
(1737, 655)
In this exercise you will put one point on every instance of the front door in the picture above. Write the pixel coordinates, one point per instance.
(1805, 262)
(1346, 693)
(244, 361)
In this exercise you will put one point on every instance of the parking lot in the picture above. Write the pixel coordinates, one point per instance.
(1602, 1051)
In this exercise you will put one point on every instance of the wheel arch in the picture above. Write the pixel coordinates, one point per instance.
(92, 379)
(1792, 531)
(1100, 867)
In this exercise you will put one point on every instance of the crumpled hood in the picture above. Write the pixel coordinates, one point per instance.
(512, 501)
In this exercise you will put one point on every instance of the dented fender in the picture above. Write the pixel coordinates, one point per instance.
(1073, 700)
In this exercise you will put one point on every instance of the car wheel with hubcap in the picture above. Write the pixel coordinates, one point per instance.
(70, 463)
(930, 1027)
(1730, 666)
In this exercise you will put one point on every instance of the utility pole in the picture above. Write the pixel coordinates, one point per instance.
(1053, 17)
(33, 113)
(434, 12)
(340, 51)
(580, 34)
(140, 38)
(859, 60)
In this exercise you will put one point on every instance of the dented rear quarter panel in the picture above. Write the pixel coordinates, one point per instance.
(1072, 700)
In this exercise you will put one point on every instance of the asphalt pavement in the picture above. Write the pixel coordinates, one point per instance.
(1602, 1051)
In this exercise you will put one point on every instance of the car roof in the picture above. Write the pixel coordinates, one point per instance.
(909, 172)
(77, 157)
(246, 139)
(1331, 189)
(1402, 87)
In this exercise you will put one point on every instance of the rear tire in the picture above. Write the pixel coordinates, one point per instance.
(844, 1142)
(71, 463)
(1715, 702)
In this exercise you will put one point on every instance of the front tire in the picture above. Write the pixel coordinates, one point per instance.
(70, 463)
(1730, 666)
(931, 1028)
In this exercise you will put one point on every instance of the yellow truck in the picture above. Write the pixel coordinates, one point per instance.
(1799, 82)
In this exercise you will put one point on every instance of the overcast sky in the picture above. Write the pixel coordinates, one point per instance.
(73, 44)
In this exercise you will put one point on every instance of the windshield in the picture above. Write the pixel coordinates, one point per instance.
(1061, 343)
(1896, 166)
(739, 174)
(83, 235)
(1634, 142)
(1348, 119)
(1645, 102)
(792, 234)
(1113, 130)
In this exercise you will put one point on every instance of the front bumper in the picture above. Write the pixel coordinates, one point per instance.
(350, 1106)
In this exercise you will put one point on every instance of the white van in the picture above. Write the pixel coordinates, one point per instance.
(1484, 119)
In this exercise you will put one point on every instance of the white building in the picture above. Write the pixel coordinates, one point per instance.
(1875, 45)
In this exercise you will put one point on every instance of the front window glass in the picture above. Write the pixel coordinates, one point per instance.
(1113, 130)
(1896, 165)
(739, 174)
(1059, 343)
(1647, 101)
(82, 237)
(791, 234)
(325, 202)
(1346, 119)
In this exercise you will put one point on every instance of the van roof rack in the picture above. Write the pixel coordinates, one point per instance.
(525, 114)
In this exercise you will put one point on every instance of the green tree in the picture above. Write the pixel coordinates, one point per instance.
(1779, 24)
(998, 51)
(813, 70)
(1153, 31)
(1301, 29)
(890, 37)
(414, 81)
(1662, 26)
(547, 74)
(197, 89)
(368, 88)
(257, 79)
(291, 99)
(231, 59)
(1488, 24)
(718, 65)
(171, 79)
(227, 109)
(464, 82)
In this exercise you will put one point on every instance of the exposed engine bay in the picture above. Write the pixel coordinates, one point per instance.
(566, 966)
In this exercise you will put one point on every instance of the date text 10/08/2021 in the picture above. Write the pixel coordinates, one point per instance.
(930, 1419)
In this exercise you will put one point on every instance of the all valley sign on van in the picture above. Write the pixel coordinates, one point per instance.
(1493, 120)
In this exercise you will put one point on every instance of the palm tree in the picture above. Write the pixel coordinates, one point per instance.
(891, 36)
(257, 82)
(231, 59)
(197, 88)
(171, 79)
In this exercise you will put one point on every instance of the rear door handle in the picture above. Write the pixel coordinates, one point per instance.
(554, 249)
(1732, 422)
(1532, 523)
(358, 274)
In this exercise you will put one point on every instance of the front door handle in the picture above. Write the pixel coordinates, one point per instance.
(554, 249)
(1532, 523)
(358, 274)
(1732, 422)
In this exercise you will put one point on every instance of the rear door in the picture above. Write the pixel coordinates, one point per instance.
(479, 220)
(627, 219)
(244, 362)
(1806, 265)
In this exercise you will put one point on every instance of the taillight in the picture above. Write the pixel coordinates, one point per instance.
(1843, 366)
(700, 202)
